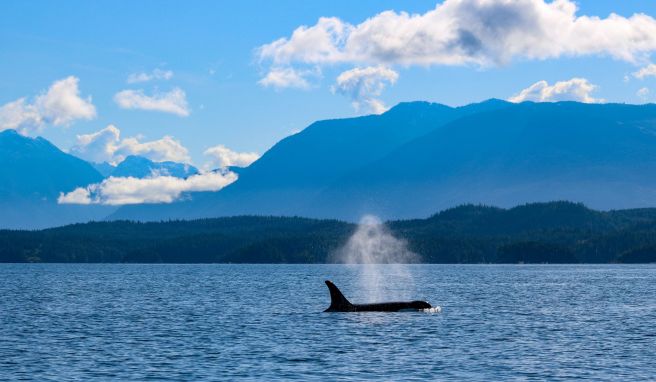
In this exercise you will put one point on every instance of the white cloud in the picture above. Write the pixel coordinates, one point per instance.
(157, 189)
(576, 89)
(223, 157)
(461, 32)
(363, 85)
(166, 148)
(647, 71)
(106, 145)
(156, 74)
(80, 195)
(281, 78)
(21, 116)
(99, 146)
(60, 105)
(174, 102)
(643, 94)
(319, 44)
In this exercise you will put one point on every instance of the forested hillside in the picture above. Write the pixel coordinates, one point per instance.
(557, 232)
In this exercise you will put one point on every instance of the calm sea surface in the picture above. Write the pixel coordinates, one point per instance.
(259, 322)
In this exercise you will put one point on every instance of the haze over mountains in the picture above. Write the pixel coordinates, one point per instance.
(412, 161)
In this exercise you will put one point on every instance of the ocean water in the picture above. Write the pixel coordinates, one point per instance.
(260, 322)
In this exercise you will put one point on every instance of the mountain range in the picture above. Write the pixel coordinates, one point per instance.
(409, 162)
(419, 158)
(34, 172)
(140, 167)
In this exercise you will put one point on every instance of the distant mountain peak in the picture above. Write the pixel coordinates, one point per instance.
(416, 106)
(493, 101)
(141, 167)
(9, 132)
(12, 140)
(33, 173)
(14, 135)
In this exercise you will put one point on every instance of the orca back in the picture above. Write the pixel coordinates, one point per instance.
(339, 303)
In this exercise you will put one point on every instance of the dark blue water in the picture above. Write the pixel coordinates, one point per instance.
(228, 322)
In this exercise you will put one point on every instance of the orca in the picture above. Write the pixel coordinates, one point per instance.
(339, 303)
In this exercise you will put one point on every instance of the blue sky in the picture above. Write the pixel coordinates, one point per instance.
(210, 50)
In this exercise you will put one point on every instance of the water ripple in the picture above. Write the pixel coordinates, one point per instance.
(254, 322)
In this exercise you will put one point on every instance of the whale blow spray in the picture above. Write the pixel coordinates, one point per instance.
(381, 260)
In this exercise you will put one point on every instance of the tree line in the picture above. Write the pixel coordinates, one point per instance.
(555, 232)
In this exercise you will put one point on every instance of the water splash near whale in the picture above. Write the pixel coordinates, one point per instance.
(434, 309)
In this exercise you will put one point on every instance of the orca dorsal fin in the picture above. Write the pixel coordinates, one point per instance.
(338, 303)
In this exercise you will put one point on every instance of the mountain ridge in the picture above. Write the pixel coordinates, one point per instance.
(546, 146)
(286, 178)
(415, 158)
(141, 167)
(493, 152)
(33, 173)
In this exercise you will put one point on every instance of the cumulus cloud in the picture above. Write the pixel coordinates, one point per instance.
(363, 85)
(576, 89)
(223, 157)
(281, 78)
(174, 102)
(80, 195)
(20, 115)
(166, 148)
(643, 94)
(462, 32)
(156, 189)
(156, 74)
(99, 146)
(60, 105)
(106, 145)
(647, 71)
